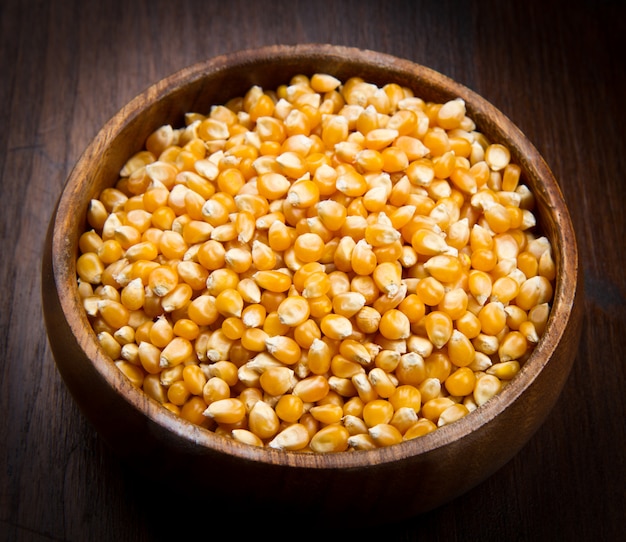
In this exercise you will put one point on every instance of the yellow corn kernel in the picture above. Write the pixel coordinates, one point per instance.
(277, 381)
(497, 217)
(177, 393)
(342, 386)
(114, 313)
(452, 414)
(272, 300)
(162, 280)
(420, 428)
(504, 289)
(194, 379)
(410, 368)
(327, 413)
(403, 419)
(153, 388)
(90, 267)
(263, 420)
(367, 319)
(274, 281)
(131, 371)
(348, 303)
(497, 156)
(96, 214)
(534, 291)
(215, 389)
(263, 256)
(381, 382)
(178, 298)
(492, 318)
(389, 253)
(513, 346)
(394, 325)
(376, 412)
(433, 408)
(388, 277)
(438, 326)
(229, 303)
(487, 386)
(353, 412)
(469, 325)
(132, 295)
(193, 411)
(176, 352)
(429, 389)
(211, 255)
(428, 243)
(192, 273)
(438, 365)
(233, 328)
(461, 382)
(487, 344)
(284, 349)
(112, 348)
(515, 317)
(504, 370)
(332, 214)
(483, 259)
(355, 351)
(161, 333)
(253, 339)
(303, 193)
(293, 310)
(246, 437)
(312, 388)
(149, 357)
(272, 185)
(239, 259)
(253, 315)
(125, 335)
(109, 251)
(363, 259)
(293, 437)
(430, 291)
(444, 268)
(152, 305)
(385, 434)
(289, 408)
(538, 315)
(319, 357)
(480, 285)
(364, 387)
(316, 284)
(330, 439)
(343, 367)
(308, 247)
(202, 310)
(228, 411)
(361, 441)
(335, 326)
(461, 352)
(343, 254)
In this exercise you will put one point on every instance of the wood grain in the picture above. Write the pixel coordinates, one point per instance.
(554, 68)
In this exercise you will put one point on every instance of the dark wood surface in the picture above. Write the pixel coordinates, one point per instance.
(555, 68)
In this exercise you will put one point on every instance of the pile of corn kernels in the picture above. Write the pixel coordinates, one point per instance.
(322, 267)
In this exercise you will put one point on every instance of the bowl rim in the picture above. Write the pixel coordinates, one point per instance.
(478, 108)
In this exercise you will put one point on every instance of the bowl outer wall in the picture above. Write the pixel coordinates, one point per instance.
(423, 473)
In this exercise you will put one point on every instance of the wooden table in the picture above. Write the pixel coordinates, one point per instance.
(556, 69)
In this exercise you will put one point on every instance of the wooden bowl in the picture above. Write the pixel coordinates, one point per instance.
(393, 482)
